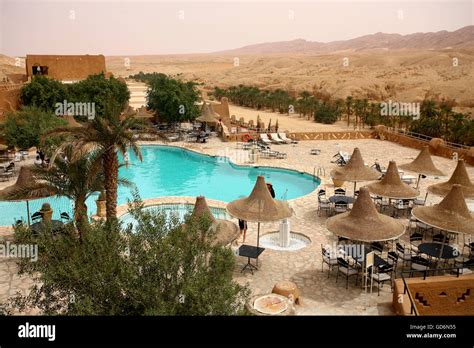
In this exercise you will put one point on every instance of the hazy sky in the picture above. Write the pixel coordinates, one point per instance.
(164, 27)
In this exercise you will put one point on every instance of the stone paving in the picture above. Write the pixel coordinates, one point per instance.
(320, 295)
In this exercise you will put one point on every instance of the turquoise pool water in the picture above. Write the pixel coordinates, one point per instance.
(172, 171)
(178, 211)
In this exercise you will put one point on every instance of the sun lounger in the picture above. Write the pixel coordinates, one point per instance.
(264, 138)
(286, 140)
(275, 139)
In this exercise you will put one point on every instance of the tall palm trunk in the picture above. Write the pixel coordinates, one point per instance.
(111, 175)
(80, 215)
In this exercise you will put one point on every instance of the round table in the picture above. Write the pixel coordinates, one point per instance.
(56, 226)
(345, 199)
(433, 250)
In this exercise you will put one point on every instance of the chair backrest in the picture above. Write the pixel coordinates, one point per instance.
(376, 246)
(419, 261)
(339, 192)
(322, 192)
(36, 216)
(393, 256)
(282, 136)
(342, 263)
(340, 204)
(385, 269)
(400, 247)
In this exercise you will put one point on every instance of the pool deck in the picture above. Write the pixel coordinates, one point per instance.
(320, 295)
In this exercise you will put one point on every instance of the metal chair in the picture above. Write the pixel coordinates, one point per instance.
(339, 192)
(347, 270)
(329, 259)
(381, 275)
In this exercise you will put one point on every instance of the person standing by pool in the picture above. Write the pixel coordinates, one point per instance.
(243, 228)
(270, 188)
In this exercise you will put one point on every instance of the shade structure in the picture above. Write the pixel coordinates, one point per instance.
(422, 165)
(207, 114)
(460, 177)
(391, 186)
(451, 214)
(355, 170)
(223, 232)
(363, 223)
(17, 192)
(259, 207)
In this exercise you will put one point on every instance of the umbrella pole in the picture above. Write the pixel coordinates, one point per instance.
(418, 181)
(28, 211)
(355, 183)
(442, 245)
(258, 239)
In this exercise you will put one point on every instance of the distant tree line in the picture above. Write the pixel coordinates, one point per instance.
(435, 119)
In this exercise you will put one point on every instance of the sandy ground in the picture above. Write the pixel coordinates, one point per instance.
(292, 123)
(397, 75)
(320, 295)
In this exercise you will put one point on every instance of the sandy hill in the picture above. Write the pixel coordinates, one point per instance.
(7, 66)
(459, 39)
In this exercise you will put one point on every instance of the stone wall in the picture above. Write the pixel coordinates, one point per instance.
(435, 295)
(348, 135)
(67, 68)
(9, 98)
(437, 146)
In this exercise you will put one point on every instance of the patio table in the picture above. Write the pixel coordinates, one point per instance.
(338, 198)
(433, 250)
(250, 252)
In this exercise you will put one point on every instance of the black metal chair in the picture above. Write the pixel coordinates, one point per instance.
(65, 216)
(340, 207)
(377, 247)
(420, 264)
(339, 192)
(36, 216)
(403, 253)
(328, 259)
(347, 270)
(381, 275)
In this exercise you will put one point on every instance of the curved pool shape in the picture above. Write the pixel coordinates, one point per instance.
(174, 171)
(173, 210)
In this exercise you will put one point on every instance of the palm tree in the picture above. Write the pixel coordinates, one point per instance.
(73, 176)
(349, 104)
(108, 135)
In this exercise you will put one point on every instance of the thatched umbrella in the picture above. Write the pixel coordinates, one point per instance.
(224, 232)
(363, 223)
(207, 114)
(391, 186)
(17, 192)
(451, 214)
(259, 207)
(459, 177)
(422, 165)
(355, 170)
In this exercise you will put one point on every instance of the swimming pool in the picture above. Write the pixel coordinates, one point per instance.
(177, 210)
(174, 171)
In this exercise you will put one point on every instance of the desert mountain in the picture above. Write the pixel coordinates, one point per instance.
(459, 39)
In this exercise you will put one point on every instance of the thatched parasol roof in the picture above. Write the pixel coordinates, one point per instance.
(451, 214)
(207, 114)
(259, 206)
(364, 223)
(423, 164)
(355, 170)
(17, 191)
(459, 177)
(223, 232)
(392, 186)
